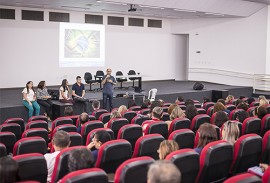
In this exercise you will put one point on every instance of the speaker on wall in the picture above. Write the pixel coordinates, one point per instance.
(218, 94)
(198, 86)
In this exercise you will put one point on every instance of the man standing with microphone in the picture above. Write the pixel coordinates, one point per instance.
(108, 81)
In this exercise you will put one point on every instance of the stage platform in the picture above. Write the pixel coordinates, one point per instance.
(168, 90)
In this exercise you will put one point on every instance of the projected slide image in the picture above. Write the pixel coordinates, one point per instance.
(82, 43)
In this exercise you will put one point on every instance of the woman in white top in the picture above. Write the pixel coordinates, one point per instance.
(29, 99)
(64, 93)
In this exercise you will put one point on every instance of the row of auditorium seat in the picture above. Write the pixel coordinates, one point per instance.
(217, 161)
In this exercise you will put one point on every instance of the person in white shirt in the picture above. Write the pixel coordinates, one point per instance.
(61, 140)
(29, 99)
(64, 93)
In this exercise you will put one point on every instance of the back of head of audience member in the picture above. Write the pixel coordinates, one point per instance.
(101, 137)
(218, 107)
(191, 112)
(221, 100)
(189, 102)
(122, 109)
(177, 112)
(79, 159)
(153, 105)
(179, 99)
(84, 118)
(95, 105)
(115, 114)
(229, 99)
(166, 147)
(147, 102)
(238, 101)
(61, 140)
(263, 101)
(163, 171)
(250, 100)
(144, 106)
(220, 118)
(68, 111)
(243, 106)
(207, 134)
(241, 116)
(230, 132)
(161, 102)
(242, 97)
(157, 113)
(171, 107)
(8, 170)
(260, 111)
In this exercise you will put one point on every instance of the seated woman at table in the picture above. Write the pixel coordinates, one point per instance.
(64, 93)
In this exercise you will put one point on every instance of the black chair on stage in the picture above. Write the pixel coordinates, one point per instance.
(132, 72)
(89, 79)
(98, 77)
(120, 80)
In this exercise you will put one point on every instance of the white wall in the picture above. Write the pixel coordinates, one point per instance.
(237, 45)
(29, 51)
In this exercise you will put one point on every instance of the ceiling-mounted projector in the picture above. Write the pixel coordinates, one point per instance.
(132, 9)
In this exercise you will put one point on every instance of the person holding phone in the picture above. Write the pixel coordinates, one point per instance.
(108, 81)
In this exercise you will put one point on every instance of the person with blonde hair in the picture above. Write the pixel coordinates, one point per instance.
(122, 109)
(219, 107)
(114, 114)
(263, 101)
(166, 147)
(171, 107)
(230, 132)
(229, 99)
(177, 112)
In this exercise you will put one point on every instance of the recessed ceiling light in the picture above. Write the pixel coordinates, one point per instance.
(110, 2)
(191, 11)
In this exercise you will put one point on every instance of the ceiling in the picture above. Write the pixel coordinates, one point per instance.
(151, 8)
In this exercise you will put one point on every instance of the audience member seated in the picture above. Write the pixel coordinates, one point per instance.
(229, 99)
(163, 172)
(122, 109)
(78, 93)
(166, 147)
(83, 119)
(8, 170)
(60, 141)
(220, 107)
(114, 114)
(64, 93)
(221, 100)
(44, 99)
(207, 134)
(99, 138)
(260, 112)
(147, 102)
(95, 106)
(250, 100)
(230, 132)
(263, 101)
(242, 105)
(153, 105)
(156, 115)
(161, 102)
(191, 112)
(171, 107)
(189, 102)
(29, 99)
(220, 118)
(144, 106)
(205, 100)
(177, 112)
(241, 116)
(68, 111)
(238, 101)
(80, 159)
(179, 100)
